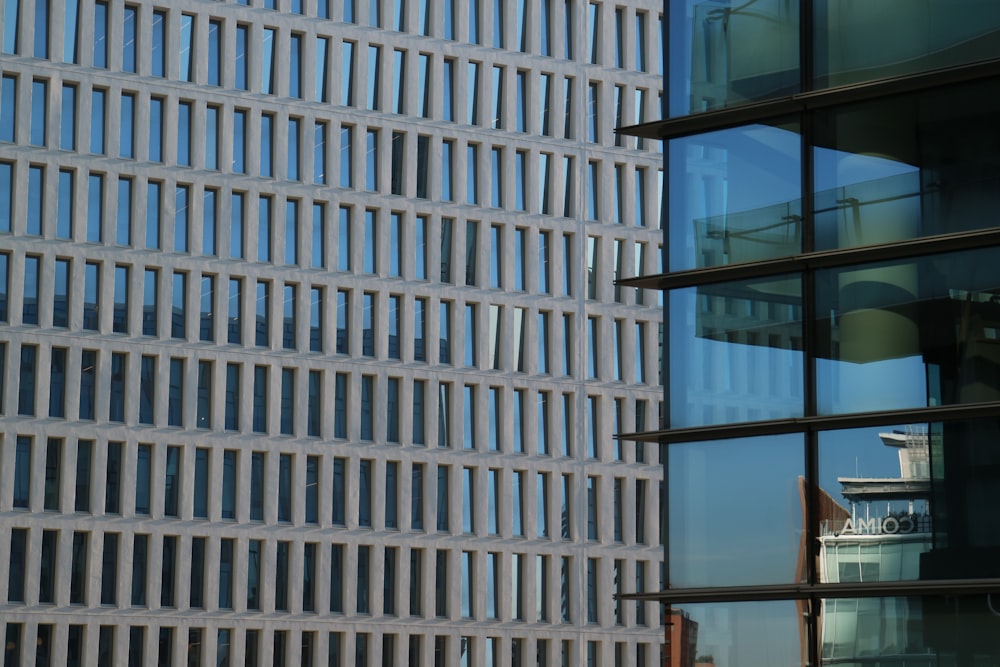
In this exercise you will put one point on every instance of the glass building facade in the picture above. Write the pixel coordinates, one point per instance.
(310, 347)
(831, 362)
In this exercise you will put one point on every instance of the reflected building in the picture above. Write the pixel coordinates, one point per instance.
(881, 539)
(831, 250)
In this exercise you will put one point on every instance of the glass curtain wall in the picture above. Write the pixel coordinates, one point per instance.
(833, 354)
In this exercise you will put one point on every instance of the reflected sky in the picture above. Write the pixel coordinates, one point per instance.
(735, 513)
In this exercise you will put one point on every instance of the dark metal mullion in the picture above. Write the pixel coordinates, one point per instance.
(664, 370)
(943, 413)
(665, 414)
(839, 257)
(770, 110)
(808, 287)
(916, 587)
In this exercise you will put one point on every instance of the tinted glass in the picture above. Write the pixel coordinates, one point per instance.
(861, 42)
(734, 196)
(908, 334)
(736, 352)
(710, 544)
(727, 52)
(907, 166)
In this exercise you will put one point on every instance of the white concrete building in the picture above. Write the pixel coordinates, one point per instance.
(311, 352)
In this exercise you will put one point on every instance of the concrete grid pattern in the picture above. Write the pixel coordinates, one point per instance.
(312, 351)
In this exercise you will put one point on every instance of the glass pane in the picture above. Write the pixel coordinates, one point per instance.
(728, 52)
(742, 634)
(904, 167)
(735, 196)
(874, 507)
(911, 631)
(711, 543)
(736, 352)
(865, 41)
(919, 501)
(876, 351)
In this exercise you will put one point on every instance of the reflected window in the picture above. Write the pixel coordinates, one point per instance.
(760, 215)
(725, 31)
(747, 338)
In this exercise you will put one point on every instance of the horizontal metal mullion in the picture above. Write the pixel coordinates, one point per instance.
(926, 587)
(825, 259)
(756, 112)
(943, 413)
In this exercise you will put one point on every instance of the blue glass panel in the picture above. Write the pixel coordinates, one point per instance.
(212, 138)
(41, 35)
(97, 104)
(127, 127)
(181, 218)
(95, 208)
(101, 37)
(153, 215)
(728, 550)
(240, 69)
(239, 142)
(184, 134)
(12, 18)
(129, 30)
(158, 47)
(722, 54)
(39, 112)
(6, 195)
(123, 228)
(36, 187)
(732, 344)
(67, 129)
(214, 52)
(267, 63)
(8, 108)
(295, 66)
(734, 196)
(208, 222)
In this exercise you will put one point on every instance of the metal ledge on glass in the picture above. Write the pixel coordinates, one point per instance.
(943, 413)
(816, 260)
(757, 112)
(932, 587)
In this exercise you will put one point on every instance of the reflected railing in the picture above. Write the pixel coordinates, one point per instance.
(723, 37)
(747, 236)
(775, 231)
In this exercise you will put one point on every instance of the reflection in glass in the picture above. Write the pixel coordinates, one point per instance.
(742, 634)
(877, 353)
(187, 39)
(874, 504)
(904, 167)
(267, 63)
(911, 631)
(735, 196)
(240, 81)
(714, 543)
(894, 38)
(736, 352)
(727, 52)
